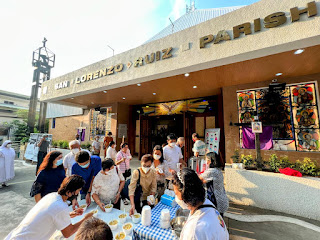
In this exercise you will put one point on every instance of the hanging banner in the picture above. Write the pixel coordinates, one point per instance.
(212, 139)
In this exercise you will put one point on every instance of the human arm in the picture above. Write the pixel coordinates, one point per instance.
(121, 186)
(154, 185)
(88, 195)
(37, 197)
(119, 158)
(98, 201)
(132, 188)
(72, 228)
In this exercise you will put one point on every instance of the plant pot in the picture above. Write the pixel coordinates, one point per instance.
(237, 165)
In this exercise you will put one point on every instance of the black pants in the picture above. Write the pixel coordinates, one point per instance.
(41, 156)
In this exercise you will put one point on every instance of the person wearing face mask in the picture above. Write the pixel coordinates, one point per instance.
(96, 145)
(112, 152)
(69, 159)
(107, 185)
(160, 166)
(213, 178)
(51, 213)
(50, 176)
(7, 155)
(172, 153)
(145, 177)
(43, 150)
(204, 221)
(87, 167)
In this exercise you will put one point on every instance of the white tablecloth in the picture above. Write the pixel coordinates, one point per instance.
(106, 217)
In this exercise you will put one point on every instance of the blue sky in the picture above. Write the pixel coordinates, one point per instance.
(78, 31)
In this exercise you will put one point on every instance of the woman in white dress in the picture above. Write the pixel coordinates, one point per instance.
(7, 155)
(107, 185)
(111, 151)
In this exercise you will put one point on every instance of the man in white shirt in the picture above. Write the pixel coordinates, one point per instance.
(172, 153)
(51, 213)
(96, 146)
(199, 147)
(69, 159)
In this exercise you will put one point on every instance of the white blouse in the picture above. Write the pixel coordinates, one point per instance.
(111, 153)
(107, 186)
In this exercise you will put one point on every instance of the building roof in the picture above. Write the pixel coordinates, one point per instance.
(191, 19)
(15, 95)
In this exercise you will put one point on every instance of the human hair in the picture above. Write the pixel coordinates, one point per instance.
(73, 142)
(180, 139)
(190, 186)
(107, 164)
(146, 158)
(158, 148)
(123, 145)
(171, 136)
(71, 184)
(111, 143)
(195, 135)
(163, 145)
(94, 229)
(215, 162)
(82, 157)
(109, 133)
(48, 160)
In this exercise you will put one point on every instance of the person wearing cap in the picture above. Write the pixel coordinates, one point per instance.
(7, 155)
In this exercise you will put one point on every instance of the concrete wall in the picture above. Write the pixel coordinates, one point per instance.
(66, 127)
(286, 37)
(274, 191)
(231, 114)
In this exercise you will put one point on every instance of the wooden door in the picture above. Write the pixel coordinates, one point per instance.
(189, 128)
(145, 131)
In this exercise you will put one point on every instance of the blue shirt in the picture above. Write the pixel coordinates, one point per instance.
(88, 173)
(50, 180)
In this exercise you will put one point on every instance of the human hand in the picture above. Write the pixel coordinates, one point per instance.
(76, 212)
(88, 199)
(101, 205)
(117, 198)
(75, 204)
(132, 209)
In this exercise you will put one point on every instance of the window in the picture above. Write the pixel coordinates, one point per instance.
(53, 123)
(8, 102)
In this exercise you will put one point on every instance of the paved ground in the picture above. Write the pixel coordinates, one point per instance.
(15, 203)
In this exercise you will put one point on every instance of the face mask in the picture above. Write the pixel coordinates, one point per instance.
(9, 145)
(59, 162)
(72, 197)
(172, 144)
(156, 157)
(181, 203)
(146, 169)
(75, 151)
(85, 166)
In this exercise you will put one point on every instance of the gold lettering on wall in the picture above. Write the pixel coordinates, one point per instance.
(89, 76)
(119, 67)
(158, 54)
(206, 39)
(83, 78)
(167, 53)
(257, 25)
(138, 62)
(222, 36)
(102, 72)
(110, 70)
(275, 20)
(311, 9)
(243, 28)
(151, 60)
(96, 75)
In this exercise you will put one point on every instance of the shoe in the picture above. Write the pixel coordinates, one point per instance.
(125, 202)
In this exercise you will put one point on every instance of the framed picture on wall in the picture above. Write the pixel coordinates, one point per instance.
(256, 127)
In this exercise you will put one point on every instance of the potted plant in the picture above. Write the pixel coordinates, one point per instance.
(248, 162)
(236, 161)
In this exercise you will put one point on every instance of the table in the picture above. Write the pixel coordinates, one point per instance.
(106, 217)
(154, 231)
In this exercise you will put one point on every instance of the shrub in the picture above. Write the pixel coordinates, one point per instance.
(65, 145)
(276, 163)
(308, 167)
(247, 160)
(86, 145)
(54, 144)
(236, 156)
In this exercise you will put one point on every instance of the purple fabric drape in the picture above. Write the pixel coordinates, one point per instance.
(248, 138)
(82, 134)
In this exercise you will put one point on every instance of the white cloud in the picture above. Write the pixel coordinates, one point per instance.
(178, 9)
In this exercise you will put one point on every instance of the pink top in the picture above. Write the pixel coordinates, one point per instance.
(126, 164)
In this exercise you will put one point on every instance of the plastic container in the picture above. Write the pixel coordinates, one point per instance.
(146, 216)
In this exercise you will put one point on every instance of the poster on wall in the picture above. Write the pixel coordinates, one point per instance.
(212, 139)
(32, 149)
(122, 130)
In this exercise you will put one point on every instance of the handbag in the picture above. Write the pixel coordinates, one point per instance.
(35, 188)
(210, 193)
(137, 193)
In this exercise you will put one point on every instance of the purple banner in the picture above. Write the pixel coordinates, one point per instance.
(248, 138)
